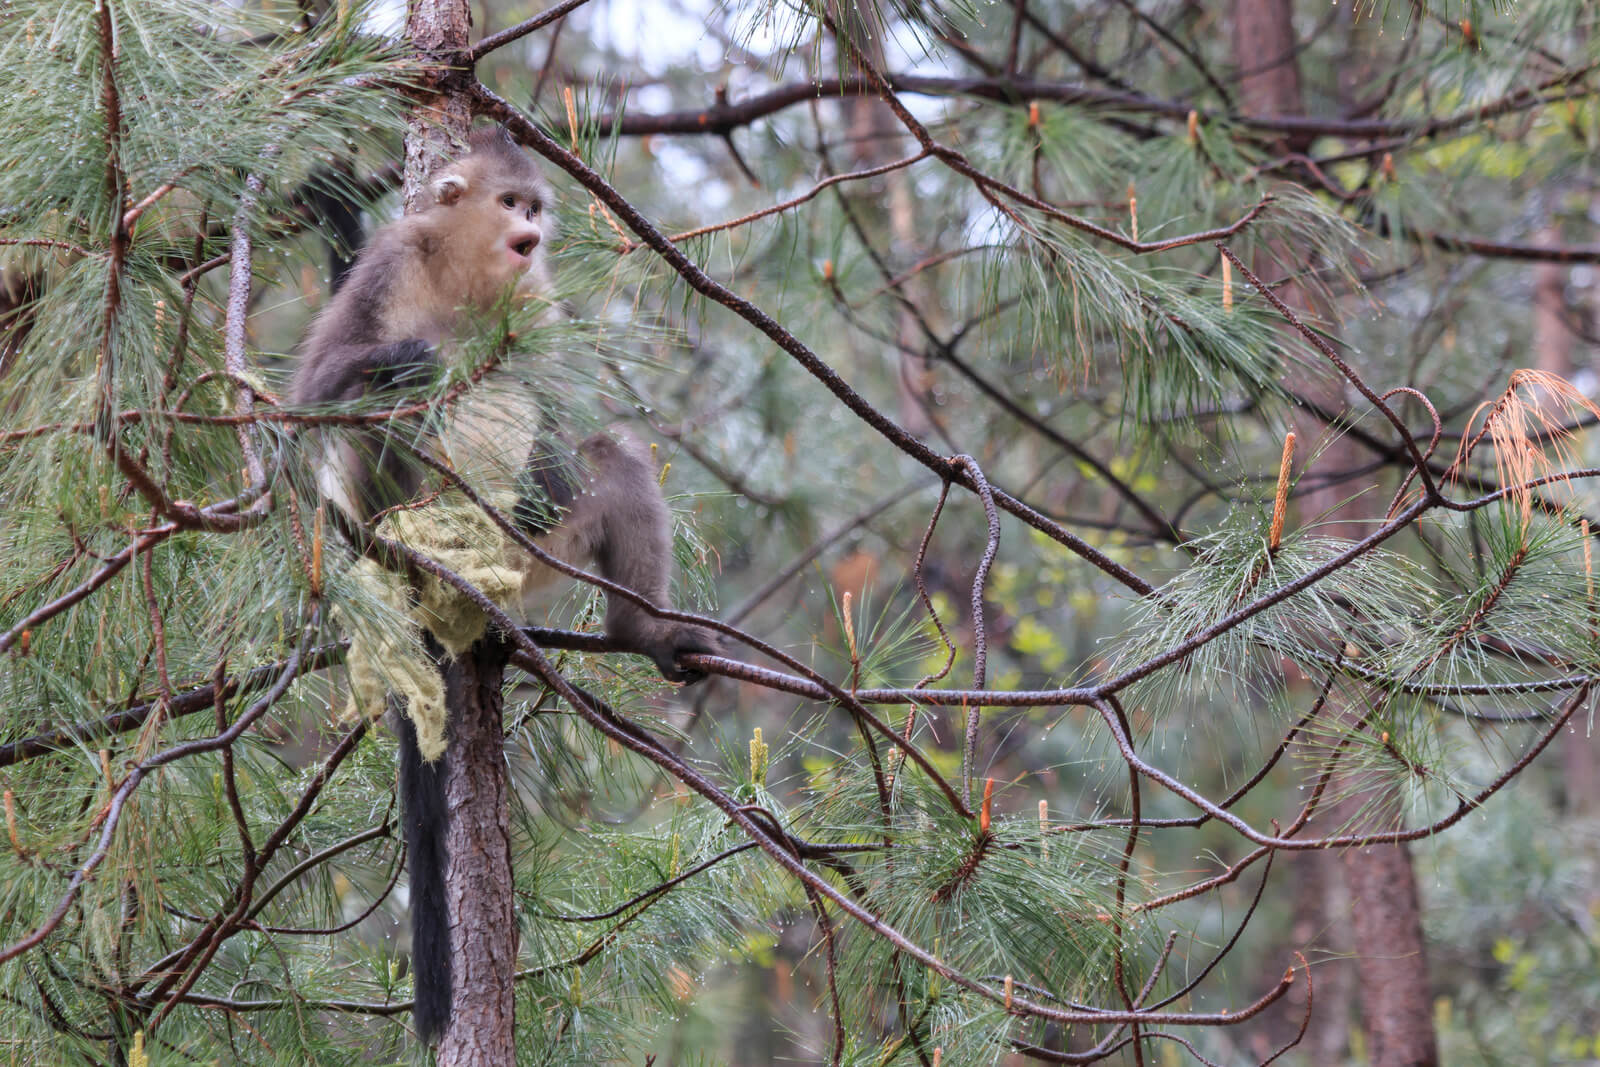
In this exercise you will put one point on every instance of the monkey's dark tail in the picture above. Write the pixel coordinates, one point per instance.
(422, 808)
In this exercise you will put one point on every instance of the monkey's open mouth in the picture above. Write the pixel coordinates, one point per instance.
(524, 247)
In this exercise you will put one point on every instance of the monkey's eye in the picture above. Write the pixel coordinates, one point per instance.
(509, 201)
(533, 211)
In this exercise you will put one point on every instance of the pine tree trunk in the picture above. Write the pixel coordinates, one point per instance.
(478, 886)
(433, 27)
(483, 928)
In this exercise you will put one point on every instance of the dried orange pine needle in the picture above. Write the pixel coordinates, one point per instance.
(11, 822)
(1588, 573)
(572, 116)
(1588, 561)
(1280, 502)
(1526, 427)
(316, 553)
(1227, 284)
(850, 630)
(988, 800)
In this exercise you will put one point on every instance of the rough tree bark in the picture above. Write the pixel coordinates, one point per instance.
(435, 28)
(1386, 926)
(478, 886)
(478, 889)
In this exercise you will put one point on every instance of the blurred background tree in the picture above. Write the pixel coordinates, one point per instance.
(969, 338)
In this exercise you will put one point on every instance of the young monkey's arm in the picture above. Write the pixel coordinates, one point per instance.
(620, 516)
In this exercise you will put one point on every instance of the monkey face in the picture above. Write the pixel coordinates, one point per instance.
(506, 237)
(497, 219)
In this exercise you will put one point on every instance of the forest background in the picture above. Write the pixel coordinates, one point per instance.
(1073, 710)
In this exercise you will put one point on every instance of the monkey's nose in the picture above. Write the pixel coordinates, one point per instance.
(524, 245)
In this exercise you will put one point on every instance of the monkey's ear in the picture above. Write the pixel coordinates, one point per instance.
(449, 188)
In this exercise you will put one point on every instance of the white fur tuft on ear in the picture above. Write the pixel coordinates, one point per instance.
(449, 188)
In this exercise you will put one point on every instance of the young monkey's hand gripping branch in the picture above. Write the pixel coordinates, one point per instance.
(423, 278)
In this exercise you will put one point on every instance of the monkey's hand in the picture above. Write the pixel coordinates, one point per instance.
(665, 641)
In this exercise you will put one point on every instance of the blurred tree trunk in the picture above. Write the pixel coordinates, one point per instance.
(1552, 352)
(1386, 919)
(1386, 926)
(876, 138)
(1264, 50)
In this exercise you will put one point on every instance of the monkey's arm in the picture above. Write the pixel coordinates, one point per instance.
(345, 372)
(361, 469)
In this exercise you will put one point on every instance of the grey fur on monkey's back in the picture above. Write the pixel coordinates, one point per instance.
(482, 234)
